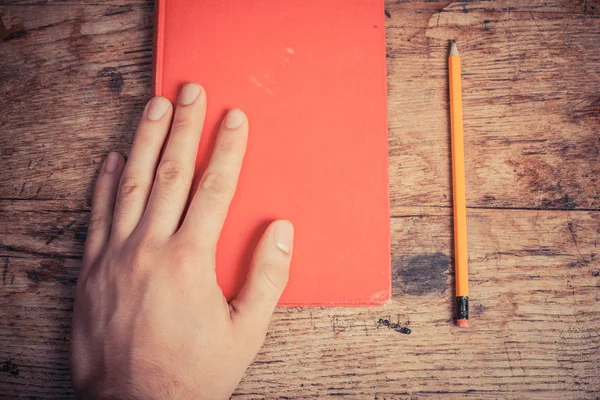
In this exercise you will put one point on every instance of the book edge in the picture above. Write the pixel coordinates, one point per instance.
(383, 42)
(159, 42)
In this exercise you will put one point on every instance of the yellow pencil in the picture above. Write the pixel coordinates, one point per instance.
(459, 197)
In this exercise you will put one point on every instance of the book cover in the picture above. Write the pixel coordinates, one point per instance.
(311, 77)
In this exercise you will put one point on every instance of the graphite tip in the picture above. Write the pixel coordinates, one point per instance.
(453, 49)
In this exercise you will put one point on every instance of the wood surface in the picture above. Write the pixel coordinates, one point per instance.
(74, 76)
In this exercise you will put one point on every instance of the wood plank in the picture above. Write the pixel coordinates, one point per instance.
(83, 78)
(531, 78)
(43, 228)
(535, 305)
(530, 86)
(116, 4)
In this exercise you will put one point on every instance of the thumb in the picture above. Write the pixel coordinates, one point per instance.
(266, 279)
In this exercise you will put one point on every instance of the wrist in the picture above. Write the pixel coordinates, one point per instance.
(143, 386)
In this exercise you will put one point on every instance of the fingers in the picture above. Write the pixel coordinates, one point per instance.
(176, 169)
(207, 212)
(103, 203)
(268, 276)
(138, 174)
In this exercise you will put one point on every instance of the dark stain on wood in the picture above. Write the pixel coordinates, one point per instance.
(114, 79)
(11, 28)
(50, 270)
(388, 14)
(477, 309)
(10, 367)
(423, 274)
(81, 235)
(36, 276)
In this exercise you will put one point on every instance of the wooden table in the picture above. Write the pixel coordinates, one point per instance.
(74, 77)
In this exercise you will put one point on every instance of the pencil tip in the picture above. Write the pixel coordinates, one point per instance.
(453, 49)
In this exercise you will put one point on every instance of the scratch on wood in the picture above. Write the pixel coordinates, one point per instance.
(573, 236)
(61, 232)
(540, 31)
(5, 271)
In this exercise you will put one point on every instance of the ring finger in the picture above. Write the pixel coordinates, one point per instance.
(138, 174)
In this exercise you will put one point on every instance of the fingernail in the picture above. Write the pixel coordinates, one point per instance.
(189, 94)
(283, 231)
(112, 162)
(234, 118)
(157, 108)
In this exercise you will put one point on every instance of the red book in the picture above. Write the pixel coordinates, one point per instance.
(311, 77)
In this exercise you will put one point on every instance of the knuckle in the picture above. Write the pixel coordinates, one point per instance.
(181, 260)
(182, 253)
(89, 285)
(130, 187)
(98, 221)
(275, 275)
(186, 246)
(86, 285)
(171, 171)
(231, 144)
(190, 243)
(217, 185)
(187, 252)
(142, 255)
(182, 124)
(145, 138)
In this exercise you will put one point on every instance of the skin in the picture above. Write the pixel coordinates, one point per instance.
(150, 321)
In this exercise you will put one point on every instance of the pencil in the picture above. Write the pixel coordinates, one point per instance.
(459, 193)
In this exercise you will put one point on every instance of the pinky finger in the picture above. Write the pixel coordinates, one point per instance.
(103, 204)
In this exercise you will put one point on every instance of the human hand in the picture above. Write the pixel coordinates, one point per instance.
(149, 319)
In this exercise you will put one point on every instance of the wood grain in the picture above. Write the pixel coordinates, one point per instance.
(74, 77)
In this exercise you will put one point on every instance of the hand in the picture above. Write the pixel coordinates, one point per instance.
(150, 321)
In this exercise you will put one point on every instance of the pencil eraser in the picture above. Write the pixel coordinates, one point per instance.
(462, 323)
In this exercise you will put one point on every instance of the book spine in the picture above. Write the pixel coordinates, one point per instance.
(384, 117)
(158, 53)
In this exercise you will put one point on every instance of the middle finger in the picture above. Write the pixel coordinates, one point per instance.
(176, 169)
